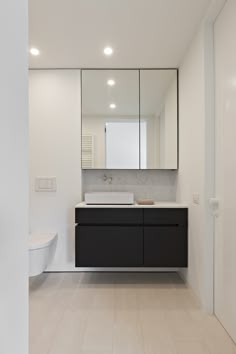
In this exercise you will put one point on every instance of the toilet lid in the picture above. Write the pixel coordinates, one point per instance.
(40, 240)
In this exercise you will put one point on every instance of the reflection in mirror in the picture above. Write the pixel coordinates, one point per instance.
(110, 119)
(158, 111)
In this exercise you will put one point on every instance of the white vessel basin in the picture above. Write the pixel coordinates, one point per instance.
(109, 198)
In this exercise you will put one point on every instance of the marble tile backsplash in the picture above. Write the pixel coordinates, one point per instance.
(158, 185)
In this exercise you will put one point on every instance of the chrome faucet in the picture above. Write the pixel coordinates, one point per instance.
(107, 179)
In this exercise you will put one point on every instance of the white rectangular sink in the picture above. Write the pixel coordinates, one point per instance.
(109, 198)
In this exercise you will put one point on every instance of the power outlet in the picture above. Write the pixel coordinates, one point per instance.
(196, 198)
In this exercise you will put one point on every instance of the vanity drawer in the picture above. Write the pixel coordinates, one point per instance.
(108, 216)
(166, 216)
(165, 246)
(109, 246)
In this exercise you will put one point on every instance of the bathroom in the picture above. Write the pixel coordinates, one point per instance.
(124, 158)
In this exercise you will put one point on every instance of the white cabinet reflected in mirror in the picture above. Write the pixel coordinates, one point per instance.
(129, 119)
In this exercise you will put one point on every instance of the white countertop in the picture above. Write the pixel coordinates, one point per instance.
(156, 205)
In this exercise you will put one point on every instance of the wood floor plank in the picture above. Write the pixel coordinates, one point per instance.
(120, 313)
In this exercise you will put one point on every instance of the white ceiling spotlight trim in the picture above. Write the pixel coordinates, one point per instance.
(34, 51)
(112, 106)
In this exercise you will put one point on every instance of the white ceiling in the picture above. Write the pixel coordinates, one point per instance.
(143, 33)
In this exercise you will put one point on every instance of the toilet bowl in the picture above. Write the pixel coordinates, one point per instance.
(42, 247)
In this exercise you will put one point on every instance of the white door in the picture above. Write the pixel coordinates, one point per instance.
(225, 224)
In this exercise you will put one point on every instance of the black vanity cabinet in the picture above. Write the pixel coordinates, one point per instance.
(109, 237)
(131, 237)
(165, 237)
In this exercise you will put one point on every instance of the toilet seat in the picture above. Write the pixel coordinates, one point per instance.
(40, 240)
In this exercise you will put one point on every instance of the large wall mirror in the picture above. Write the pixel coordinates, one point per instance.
(129, 119)
(159, 118)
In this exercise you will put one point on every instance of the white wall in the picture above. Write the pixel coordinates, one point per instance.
(192, 155)
(162, 136)
(196, 171)
(55, 151)
(225, 240)
(13, 178)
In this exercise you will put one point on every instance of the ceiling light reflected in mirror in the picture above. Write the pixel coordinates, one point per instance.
(34, 51)
(108, 51)
(111, 82)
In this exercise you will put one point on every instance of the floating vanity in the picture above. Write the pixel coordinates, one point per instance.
(131, 235)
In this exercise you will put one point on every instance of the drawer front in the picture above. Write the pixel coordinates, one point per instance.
(165, 246)
(108, 216)
(166, 216)
(109, 246)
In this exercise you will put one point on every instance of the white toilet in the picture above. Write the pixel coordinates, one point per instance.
(42, 247)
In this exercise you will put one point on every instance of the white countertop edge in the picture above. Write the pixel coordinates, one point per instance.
(156, 205)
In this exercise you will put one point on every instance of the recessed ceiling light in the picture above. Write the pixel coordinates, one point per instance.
(108, 51)
(111, 82)
(112, 105)
(34, 51)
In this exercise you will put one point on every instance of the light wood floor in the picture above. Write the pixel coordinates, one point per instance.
(120, 313)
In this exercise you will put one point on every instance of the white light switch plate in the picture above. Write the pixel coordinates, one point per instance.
(196, 198)
(45, 184)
